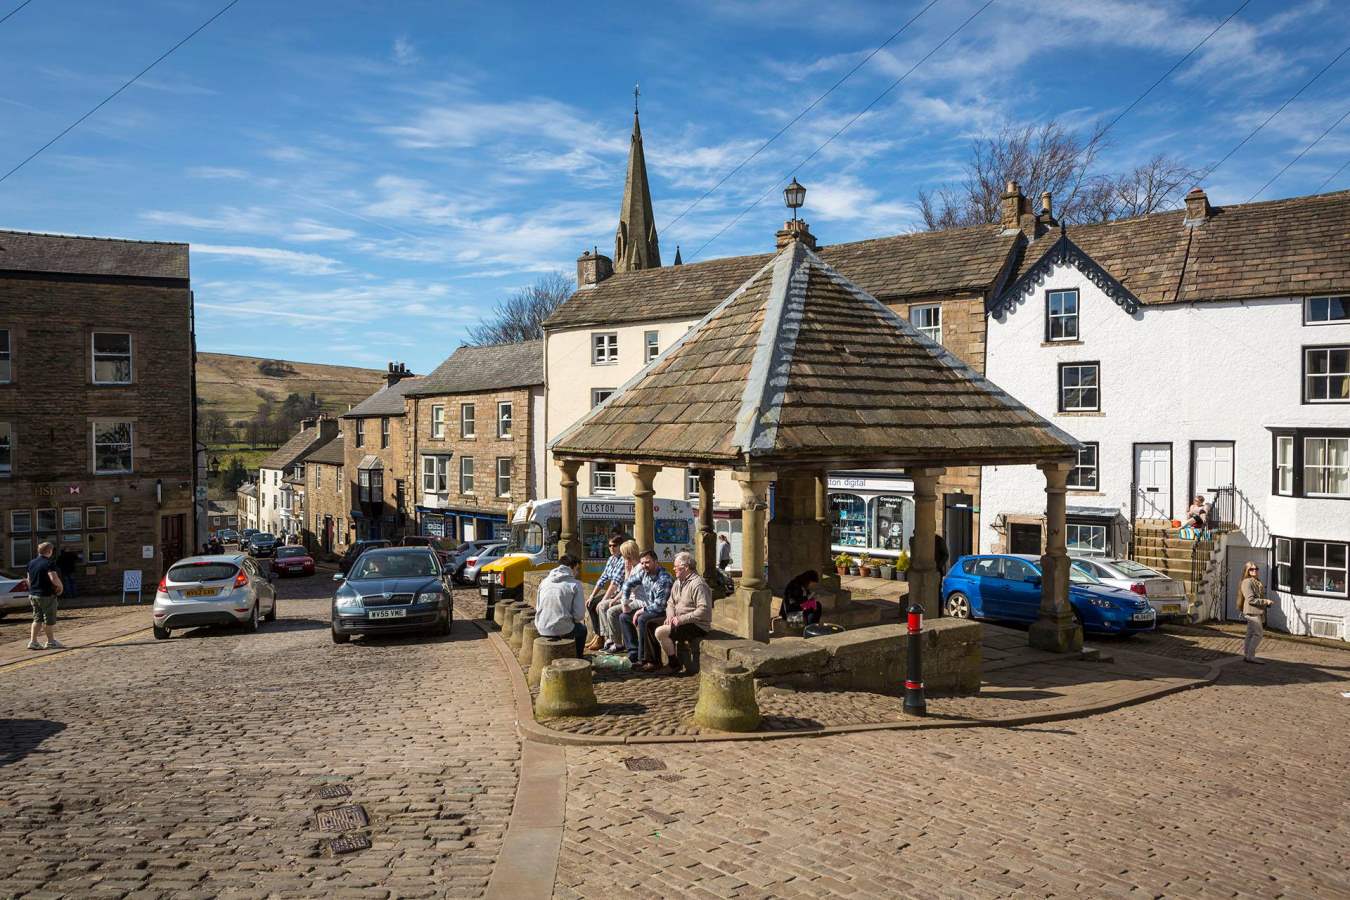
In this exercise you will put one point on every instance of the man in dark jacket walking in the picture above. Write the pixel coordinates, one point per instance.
(44, 586)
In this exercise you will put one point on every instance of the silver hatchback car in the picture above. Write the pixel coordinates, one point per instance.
(224, 589)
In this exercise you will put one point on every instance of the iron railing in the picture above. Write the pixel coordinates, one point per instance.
(1232, 511)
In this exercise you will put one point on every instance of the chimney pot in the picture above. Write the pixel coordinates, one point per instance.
(1197, 207)
(794, 230)
(1046, 208)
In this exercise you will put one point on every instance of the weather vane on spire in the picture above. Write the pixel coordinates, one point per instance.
(637, 90)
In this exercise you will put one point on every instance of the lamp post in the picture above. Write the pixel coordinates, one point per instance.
(794, 195)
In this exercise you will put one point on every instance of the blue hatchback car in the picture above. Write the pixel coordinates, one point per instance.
(1008, 587)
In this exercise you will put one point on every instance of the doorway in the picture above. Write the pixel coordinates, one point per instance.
(1153, 481)
(957, 516)
(1211, 466)
(171, 534)
(1024, 537)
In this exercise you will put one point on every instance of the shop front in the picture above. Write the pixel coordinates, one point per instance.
(456, 525)
(870, 512)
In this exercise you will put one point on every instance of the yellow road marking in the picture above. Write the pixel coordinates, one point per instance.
(54, 654)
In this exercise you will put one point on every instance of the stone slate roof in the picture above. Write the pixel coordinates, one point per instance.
(294, 450)
(890, 268)
(387, 401)
(248, 490)
(23, 251)
(1279, 248)
(330, 453)
(799, 366)
(488, 368)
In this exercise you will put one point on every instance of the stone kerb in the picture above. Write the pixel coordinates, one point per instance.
(546, 650)
(566, 689)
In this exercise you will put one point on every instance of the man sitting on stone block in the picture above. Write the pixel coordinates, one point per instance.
(560, 610)
(656, 583)
(689, 612)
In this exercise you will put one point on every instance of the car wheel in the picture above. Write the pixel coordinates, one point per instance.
(161, 634)
(272, 613)
(339, 638)
(252, 623)
(958, 606)
(443, 628)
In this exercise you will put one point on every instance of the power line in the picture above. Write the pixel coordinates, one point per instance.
(1343, 117)
(165, 55)
(849, 74)
(892, 86)
(1333, 175)
(14, 10)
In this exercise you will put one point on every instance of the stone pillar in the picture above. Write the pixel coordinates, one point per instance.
(794, 538)
(746, 612)
(569, 535)
(1055, 629)
(706, 546)
(829, 578)
(924, 582)
(644, 520)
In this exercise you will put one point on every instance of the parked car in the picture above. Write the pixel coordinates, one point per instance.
(228, 535)
(354, 551)
(460, 555)
(224, 589)
(1008, 587)
(390, 590)
(245, 536)
(1166, 595)
(292, 561)
(263, 543)
(13, 595)
(474, 564)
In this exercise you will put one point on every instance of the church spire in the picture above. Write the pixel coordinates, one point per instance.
(635, 244)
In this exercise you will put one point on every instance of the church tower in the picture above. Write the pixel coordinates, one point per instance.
(635, 244)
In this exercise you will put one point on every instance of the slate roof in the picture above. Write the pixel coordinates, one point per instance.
(1278, 248)
(890, 268)
(248, 490)
(488, 368)
(330, 453)
(799, 366)
(294, 450)
(24, 251)
(387, 401)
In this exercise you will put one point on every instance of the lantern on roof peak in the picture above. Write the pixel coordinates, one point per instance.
(794, 195)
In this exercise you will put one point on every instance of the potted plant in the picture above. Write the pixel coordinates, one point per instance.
(902, 566)
(865, 565)
(853, 566)
(842, 562)
(886, 570)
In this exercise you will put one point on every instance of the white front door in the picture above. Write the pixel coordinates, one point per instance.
(1212, 467)
(1153, 481)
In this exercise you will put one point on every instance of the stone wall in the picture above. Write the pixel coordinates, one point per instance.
(327, 497)
(393, 520)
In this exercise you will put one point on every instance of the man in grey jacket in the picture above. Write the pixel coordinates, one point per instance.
(560, 610)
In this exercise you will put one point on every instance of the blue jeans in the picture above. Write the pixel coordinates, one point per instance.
(635, 637)
(579, 635)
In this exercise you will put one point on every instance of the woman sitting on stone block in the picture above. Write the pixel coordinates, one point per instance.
(799, 596)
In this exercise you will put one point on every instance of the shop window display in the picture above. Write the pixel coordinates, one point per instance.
(848, 520)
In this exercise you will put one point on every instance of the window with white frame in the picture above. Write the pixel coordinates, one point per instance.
(359, 432)
(6, 449)
(6, 359)
(603, 478)
(1284, 564)
(384, 433)
(436, 474)
(438, 422)
(112, 357)
(1326, 467)
(1326, 374)
(504, 419)
(1080, 387)
(467, 426)
(112, 448)
(1324, 568)
(927, 320)
(691, 484)
(651, 345)
(600, 395)
(604, 348)
(1083, 476)
(1326, 310)
(1284, 465)
(503, 476)
(1061, 315)
(466, 474)
(1085, 539)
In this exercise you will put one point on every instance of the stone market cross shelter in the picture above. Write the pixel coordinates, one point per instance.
(796, 372)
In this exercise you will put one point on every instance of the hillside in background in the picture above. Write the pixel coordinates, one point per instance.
(237, 385)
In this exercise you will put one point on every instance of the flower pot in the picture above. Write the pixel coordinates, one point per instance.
(853, 570)
(842, 570)
(902, 576)
(887, 572)
(866, 571)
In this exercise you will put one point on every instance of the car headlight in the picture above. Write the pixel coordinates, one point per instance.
(435, 596)
(349, 601)
(1103, 603)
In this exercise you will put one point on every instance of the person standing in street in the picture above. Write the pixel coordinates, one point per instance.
(723, 552)
(44, 586)
(1254, 603)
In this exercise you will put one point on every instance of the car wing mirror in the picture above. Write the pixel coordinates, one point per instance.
(338, 576)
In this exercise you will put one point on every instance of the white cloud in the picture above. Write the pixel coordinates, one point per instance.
(289, 260)
(254, 220)
(216, 172)
(405, 54)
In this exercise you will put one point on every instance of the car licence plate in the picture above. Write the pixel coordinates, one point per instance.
(387, 613)
(201, 592)
(1143, 616)
(1171, 608)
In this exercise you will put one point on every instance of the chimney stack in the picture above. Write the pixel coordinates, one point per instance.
(1015, 211)
(397, 372)
(593, 267)
(1197, 207)
(794, 230)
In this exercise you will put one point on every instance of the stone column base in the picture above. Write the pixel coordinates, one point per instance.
(926, 587)
(1056, 636)
(744, 614)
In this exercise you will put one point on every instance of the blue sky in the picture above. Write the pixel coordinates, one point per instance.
(360, 181)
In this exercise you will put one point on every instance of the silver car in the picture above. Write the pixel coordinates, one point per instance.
(13, 595)
(224, 589)
(474, 564)
(1166, 595)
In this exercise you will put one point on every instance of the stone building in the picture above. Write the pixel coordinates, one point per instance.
(376, 459)
(476, 445)
(281, 477)
(96, 404)
(327, 498)
(221, 514)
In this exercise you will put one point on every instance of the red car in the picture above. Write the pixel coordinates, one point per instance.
(292, 561)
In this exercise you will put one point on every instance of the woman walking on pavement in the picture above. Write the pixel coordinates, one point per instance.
(1253, 602)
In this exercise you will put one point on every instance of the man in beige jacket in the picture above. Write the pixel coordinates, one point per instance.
(1254, 603)
(689, 612)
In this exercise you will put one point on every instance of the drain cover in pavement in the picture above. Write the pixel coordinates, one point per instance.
(644, 764)
(349, 843)
(341, 818)
(659, 816)
(333, 791)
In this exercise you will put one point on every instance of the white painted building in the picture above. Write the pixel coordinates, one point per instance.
(1203, 352)
(275, 498)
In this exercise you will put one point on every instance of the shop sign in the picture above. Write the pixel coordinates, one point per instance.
(862, 483)
(605, 509)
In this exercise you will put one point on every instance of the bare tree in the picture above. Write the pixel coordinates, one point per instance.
(215, 426)
(520, 317)
(1152, 187)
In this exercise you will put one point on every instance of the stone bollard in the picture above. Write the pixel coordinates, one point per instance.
(566, 690)
(528, 635)
(726, 699)
(509, 616)
(546, 650)
(517, 624)
(499, 615)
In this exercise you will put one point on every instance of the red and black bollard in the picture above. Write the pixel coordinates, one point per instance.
(915, 705)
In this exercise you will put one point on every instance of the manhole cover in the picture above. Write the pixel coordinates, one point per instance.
(349, 843)
(658, 816)
(333, 791)
(644, 764)
(342, 818)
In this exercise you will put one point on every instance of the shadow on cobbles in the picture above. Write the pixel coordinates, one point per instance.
(20, 737)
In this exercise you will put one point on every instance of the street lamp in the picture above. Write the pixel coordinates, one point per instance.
(794, 195)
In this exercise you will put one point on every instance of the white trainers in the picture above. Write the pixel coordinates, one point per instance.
(34, 645)
(54, 644)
